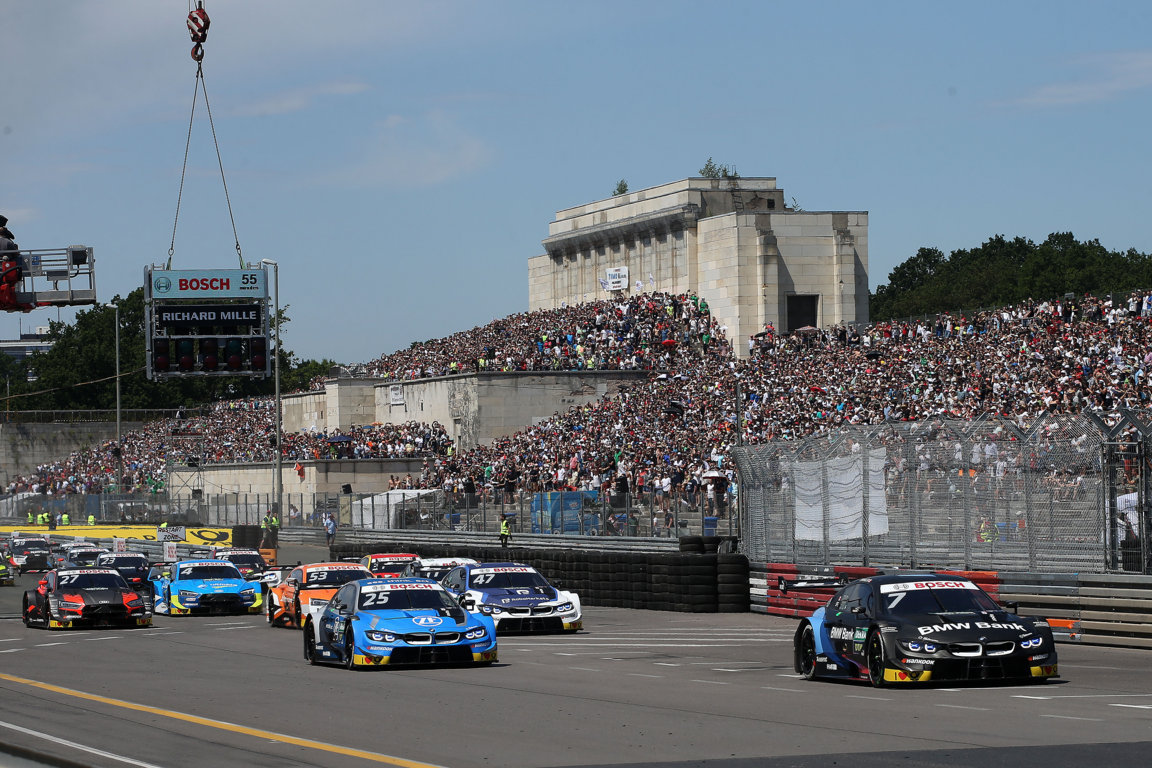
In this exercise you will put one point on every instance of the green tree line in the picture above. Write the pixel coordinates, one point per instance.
(79, 371)
(1003, 271)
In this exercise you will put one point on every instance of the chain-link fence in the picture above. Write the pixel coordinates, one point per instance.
(567, 513)
(1061, 494)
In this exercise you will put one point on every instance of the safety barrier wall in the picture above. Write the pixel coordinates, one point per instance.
(1098, 609)
(695, 582)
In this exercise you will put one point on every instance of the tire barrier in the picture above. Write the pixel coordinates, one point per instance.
(1097, 609)
(689, 582)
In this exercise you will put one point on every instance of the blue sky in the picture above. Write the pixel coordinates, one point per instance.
(402, 160)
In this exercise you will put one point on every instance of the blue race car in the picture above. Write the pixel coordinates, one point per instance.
(919, 628)
(203, 587)
(516, 596)
(378, 622)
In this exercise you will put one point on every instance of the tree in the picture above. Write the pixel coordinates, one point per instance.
(713, 171)
(621, 188)
(1002, 271)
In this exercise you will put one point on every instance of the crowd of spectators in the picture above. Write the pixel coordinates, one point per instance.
(643, 332)
(234, 431)
(670, 434)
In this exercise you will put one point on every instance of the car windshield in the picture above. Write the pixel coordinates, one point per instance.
(85, 557)
(334, 577)
(250, 560)
(208, 572)
(123, 562)
(490, 579)
(388, 566)
(91, 581)
(944, 599)
(435, 572)
(33, 549)
(406, 599)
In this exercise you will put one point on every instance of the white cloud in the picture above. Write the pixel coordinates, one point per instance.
(299, 99)
(414, 151)
(1107, 76)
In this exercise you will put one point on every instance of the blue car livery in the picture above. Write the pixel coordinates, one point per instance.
(204, 587)
(516, 596)
(378, 622)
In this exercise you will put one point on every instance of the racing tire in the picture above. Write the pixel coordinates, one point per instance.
(298, 618)
(24, 613)
(270, 612)
(309, 644)
(349, 650)
(876, 659)
(806, 654)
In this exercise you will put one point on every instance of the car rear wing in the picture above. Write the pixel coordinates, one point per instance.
(834, 582)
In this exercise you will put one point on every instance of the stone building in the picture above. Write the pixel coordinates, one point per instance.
(733, 242)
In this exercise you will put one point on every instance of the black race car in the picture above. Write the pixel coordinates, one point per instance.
(133, 566)
(918, 628)
(85, 597)
(27, 555)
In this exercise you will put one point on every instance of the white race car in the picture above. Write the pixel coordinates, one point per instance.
(516, 596)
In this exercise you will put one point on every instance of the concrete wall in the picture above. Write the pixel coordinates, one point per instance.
(478, 408)
(732, 241)
(24, 446)
(320, 477)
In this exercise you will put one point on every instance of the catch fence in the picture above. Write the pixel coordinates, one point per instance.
(1060, 494)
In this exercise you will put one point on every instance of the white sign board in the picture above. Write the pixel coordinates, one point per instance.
(616, 279)
(170, 533)
(119, 545)
(170, 550)
(396, 394)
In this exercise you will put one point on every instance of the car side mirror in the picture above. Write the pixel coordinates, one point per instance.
(859, 610)
(42, 583)
(1012, 607)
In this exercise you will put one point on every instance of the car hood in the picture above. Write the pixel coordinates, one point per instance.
(211, 585)
(425, 620)
(968, 627)
(101, 596)
(520, 596)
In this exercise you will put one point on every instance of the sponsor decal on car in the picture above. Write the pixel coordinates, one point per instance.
(911, 586)
(951, 627)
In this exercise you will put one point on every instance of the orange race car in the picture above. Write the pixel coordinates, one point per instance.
(315, 583)
(387, 566)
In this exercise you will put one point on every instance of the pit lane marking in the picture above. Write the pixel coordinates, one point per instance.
(46, 645)
(222, 725)
(869, 698)
(1088, 696)
(1069, 717)
(960, 706)
(786, 690)
(74, 745)
(641, 674)
(1133, 706)
(584, 669)
(11, 650)
(711, 682)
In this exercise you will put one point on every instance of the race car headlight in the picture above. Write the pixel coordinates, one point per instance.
(187, 596)
(135, 603)
(249, 593)
(918, 646)
(564, 608)
(380, 637)
(1035, 642)
(475, 634)
(488, 610)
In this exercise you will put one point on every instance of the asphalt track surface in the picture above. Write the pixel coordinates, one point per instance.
(636, 688)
